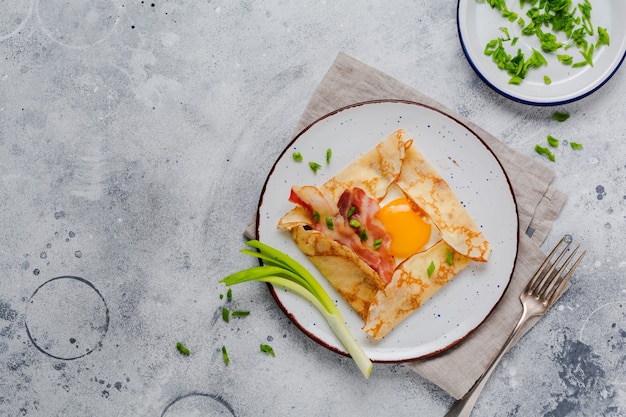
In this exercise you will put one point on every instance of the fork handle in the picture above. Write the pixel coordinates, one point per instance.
(464, 406)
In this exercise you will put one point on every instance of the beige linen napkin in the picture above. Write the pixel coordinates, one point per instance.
(349, 81)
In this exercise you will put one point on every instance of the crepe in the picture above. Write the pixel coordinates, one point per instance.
(383, 294)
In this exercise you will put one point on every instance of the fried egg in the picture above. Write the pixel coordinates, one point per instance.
(408, 229)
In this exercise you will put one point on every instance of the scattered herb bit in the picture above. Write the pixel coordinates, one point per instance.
(355, 223)
(240, 313)
(182, 349)
(225, 314)
(575, 146)
(363, 235)
(314, 166)
(329, 223)
(267, 349)
(552, 141)
(329, 154)
(449, 256)
(351, 211)
(545, 152)
(560, 117)
(221, 296)
(547, 80)
(316, 216)
(297, 156)
(229, 294)
(377, 243)
(281, 270)
(225, 356)
(431, 268)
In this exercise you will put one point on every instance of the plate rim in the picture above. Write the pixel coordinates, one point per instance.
(286, 149)
(518, 99)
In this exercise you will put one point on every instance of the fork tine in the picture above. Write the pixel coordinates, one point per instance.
(560, 283)
(544, 285)
(534, 281)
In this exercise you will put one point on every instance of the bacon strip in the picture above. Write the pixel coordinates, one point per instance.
(361, 238)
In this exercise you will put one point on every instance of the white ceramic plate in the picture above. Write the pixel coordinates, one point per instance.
(478, 24)
(477, 179)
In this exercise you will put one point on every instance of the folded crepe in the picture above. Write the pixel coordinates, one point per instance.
(336, 227)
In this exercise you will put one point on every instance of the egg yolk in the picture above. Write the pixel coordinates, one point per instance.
(408, 230)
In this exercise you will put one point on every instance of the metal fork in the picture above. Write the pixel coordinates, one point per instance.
(541, 292)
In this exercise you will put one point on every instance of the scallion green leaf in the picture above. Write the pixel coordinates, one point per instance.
(283, 271)
(225, 356)
(560, 117)
(575, 146)
(545, 152)
(329, 223)
(603, 37)
(267, 349)
(297, 156)
(430, 269)
(552, 141)
(225, 314)
(229, 294)
(449, 256)
(314, 166)
(240, 313)
(182, 349)
(329, 154)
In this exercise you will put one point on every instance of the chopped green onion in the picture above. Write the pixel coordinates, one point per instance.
(552, 141)
(281, 270)
(316, 216)
(363, 235)
(225, 356)
(545, 152)
(267, 349)
(225, 314)
(377, 243)
(329, 153)
(560, 117)
(351, 211)
(229, 294)
(565, 59)
(240, 313)
(603, 37)
(449, 256)
(430, 269)
(221, 296)
(329, 223)
(575, 146)
(182, 349)
(355, 223)
(314, 166)
(297, 156)
(547, 80)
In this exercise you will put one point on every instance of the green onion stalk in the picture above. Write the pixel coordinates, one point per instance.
(281, 270)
